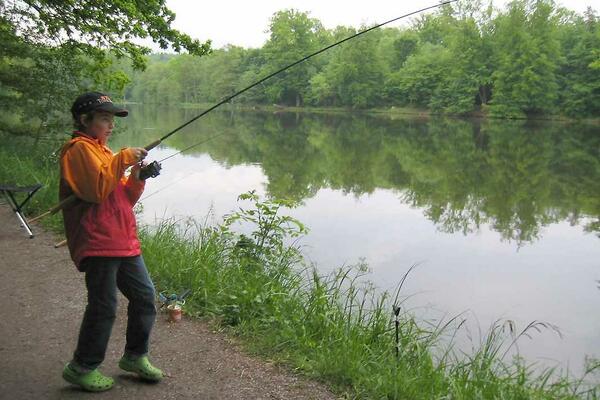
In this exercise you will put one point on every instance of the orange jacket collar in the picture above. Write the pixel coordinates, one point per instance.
(85, 135)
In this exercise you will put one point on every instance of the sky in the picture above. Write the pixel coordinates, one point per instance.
(244, 23)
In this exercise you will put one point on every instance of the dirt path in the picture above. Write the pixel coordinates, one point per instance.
(43, 298)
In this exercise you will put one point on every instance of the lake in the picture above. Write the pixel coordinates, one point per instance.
(502, 217)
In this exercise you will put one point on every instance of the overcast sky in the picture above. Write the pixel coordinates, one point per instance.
(243, 22)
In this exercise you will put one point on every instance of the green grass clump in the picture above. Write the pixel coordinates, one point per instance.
(336, 328)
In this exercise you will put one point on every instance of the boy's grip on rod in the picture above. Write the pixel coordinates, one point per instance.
(151, 170)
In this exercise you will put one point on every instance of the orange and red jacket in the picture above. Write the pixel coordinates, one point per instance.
(101, 223)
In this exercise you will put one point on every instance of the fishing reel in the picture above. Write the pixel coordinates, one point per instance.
(151, 170)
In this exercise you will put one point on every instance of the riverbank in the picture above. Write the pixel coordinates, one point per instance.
(330, 328)
(390, 112)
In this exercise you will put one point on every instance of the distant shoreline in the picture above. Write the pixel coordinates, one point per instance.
(388, 111)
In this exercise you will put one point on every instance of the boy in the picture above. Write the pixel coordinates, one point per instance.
(102, 239)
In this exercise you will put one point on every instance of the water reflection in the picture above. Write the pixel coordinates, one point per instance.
(516, 177)
(495, 212)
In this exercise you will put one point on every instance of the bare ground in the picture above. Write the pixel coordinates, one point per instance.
(43, 298)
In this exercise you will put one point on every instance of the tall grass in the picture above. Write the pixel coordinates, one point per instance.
(336, 328)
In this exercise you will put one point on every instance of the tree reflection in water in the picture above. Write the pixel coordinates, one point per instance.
(515, 176)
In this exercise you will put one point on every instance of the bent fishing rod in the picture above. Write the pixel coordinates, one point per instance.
(154, 167)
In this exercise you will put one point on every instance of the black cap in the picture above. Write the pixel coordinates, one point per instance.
(96, 101)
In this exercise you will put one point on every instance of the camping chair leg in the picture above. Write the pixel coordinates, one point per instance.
(17, 209)
(25, 224)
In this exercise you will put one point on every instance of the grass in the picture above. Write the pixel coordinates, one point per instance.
(336, 328)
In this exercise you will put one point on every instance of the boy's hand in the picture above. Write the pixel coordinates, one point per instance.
(135, 170)
(139, 153)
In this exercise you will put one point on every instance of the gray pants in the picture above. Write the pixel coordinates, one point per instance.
(103, 275)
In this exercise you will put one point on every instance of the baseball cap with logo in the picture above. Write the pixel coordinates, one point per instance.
(96, 101)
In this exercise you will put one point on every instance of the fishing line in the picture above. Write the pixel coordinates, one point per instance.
(192, 146)
(186, 176)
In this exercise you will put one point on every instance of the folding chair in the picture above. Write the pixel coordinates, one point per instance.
(9, 192)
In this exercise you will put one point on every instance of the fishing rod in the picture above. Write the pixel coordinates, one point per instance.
(229, 98)
(156, 167)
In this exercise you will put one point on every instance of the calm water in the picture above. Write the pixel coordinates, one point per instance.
(502, 217)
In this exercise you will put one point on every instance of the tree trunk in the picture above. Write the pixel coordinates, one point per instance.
(482, 95)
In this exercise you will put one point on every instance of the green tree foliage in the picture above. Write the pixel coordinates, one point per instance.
(467, 79)
(531, 58)
(354, 75)
(53, 49)
(526, 54)
(187, 79)
(418, 82)
(580, 67)
(404, 46)
(293, 36)
(93, 26)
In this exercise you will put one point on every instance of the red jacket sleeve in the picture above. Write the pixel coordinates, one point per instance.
(134, 189)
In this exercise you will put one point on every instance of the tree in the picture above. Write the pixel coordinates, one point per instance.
(53, 49)
(468, 77)
(293, 36)
(443, 64)
(532, 58)
(93, 26)
(419, 81)
(354, 76)
(526, 54)
(404, 47)
(579, 77)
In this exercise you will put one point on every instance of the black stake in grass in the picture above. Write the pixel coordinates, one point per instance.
(397, 325)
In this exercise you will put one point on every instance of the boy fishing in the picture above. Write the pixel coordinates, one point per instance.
(102, 239)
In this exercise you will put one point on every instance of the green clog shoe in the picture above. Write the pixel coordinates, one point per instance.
(142, 367)
(92, 381)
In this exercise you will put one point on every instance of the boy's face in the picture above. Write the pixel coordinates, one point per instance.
(101, 126)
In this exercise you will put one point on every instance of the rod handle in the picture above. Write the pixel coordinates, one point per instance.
(39, 216)
(152, 145)
(56, 208)
(60, 244)
(67, 201)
